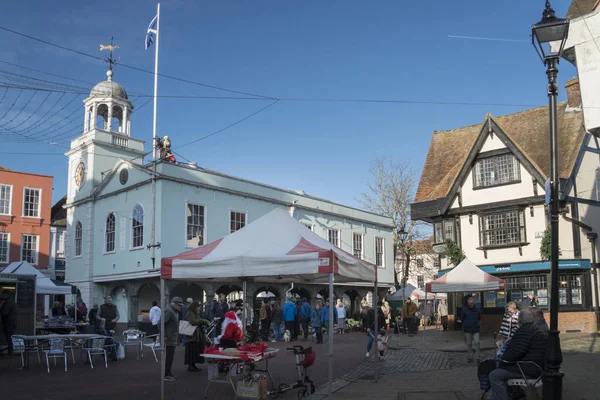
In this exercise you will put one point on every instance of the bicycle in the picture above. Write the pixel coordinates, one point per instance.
(306, 386)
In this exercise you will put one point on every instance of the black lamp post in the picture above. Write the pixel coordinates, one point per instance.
(403, 236)
(549, 37)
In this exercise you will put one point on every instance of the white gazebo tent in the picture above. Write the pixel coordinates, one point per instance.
(465, 277)
(274, 248)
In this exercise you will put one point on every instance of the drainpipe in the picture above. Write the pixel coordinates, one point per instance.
(289, 290)
(592, 238)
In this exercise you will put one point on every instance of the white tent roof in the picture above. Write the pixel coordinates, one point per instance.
(274, 248)
(43, 284)
(419, 294)
(465, 277)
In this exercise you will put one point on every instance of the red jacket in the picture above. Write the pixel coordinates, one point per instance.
(233, 331)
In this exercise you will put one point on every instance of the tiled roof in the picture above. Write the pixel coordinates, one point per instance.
(4, 168)
(581, 7)
(528, 130)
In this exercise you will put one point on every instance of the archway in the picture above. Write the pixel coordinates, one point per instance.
(352, 300)
(301, 293)
(101, 121)
(264, 290)
(148, 293)
(120, 298)
(324, 293)
(187, 290)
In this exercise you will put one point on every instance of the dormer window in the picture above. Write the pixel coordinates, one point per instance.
(444, 230)
(496, 170)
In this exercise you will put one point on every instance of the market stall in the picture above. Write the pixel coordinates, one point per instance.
(465, 277)
(274, 248)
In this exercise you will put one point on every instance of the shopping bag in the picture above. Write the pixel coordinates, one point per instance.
(187, 329)
(254, 388)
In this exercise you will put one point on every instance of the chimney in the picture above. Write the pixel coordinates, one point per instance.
(573, 93)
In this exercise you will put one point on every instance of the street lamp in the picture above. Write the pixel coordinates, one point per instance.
(403, 236)
(548, 37)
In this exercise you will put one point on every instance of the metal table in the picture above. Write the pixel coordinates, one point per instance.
(72, 337)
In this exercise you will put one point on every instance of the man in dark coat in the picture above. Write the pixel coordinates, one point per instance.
(527, 344)
(8, 317)
(471, 317)
(220, 308)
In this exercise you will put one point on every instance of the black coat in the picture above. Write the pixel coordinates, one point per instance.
(370, 319)
(8, 313)
(527, 344)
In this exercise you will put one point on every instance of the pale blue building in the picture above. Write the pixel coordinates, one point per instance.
(109, 216)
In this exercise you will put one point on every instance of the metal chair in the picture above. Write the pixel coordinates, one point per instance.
(20, 348)
(133, 337)
(56, 350)
(96, 348)
(152, 343)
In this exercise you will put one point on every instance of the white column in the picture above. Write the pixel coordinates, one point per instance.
(125, 121)
(86, 120)
(94, 115)
(109, 120)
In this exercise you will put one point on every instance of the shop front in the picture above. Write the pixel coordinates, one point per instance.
(528, 284)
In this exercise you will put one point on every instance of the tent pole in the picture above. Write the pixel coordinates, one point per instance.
(376, 332)
(162, 346)
(425, 322)
(244, 309)
(330, 336)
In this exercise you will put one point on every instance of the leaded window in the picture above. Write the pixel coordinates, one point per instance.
(503, 228)
(496, 170)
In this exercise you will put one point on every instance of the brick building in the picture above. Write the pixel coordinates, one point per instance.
(25, 202)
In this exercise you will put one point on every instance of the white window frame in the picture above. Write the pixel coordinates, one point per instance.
(362, 245)
(382, 252)
(231, 210)
(114, 234)
(60, 243)
(10, 187)
(39, 210)
(185, 217)
(422, 279)
(338, 237)
(7, 261)
(132, 247)
(78, 239)
(37, 248)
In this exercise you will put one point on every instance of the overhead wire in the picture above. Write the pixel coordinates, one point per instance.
(32, 113)
(12, 106)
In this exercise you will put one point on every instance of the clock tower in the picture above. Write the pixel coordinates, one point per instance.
(105, 141)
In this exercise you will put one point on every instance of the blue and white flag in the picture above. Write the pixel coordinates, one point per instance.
(151, 32)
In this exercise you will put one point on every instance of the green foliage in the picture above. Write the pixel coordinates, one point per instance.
(454, 253)
(546, 246)
(252, 331)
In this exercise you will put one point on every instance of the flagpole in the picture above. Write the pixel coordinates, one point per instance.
(153, 230)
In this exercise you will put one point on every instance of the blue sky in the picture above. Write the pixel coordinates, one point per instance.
(341, 49)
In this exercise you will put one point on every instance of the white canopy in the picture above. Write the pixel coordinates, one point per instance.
(465, 277)
(274, 248)
(419, 294)
(44, 285)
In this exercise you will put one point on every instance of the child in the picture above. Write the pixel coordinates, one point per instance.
(382, 343)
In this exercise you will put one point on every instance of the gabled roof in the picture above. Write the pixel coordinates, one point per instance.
(58, 214)
(579, 8)
(529, 132)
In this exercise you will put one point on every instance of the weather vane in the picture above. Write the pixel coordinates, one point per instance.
(109, 57)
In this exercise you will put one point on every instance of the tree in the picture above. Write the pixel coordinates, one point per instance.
(391, 190)
(454, 253)
(546, 246)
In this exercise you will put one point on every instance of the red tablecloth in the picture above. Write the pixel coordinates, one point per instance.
(248, 352)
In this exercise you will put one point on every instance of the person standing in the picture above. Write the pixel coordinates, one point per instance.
(510, 323)
(341, 317)
(154, 318)
(443, 312)
(58, 309)
(289, 316)
(317, 323)
(265, 321)
(305, 317)
(276, 318)
(220, 308)
(427, 313)
(471, 317)
(8, 317)
(194, 344)
(95, 323)
(171, 316)
(296, 332)
(108, 313)
(409, 310)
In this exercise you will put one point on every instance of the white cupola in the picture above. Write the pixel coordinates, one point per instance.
(108, 108)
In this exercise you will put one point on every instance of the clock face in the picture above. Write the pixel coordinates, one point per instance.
(79, 174)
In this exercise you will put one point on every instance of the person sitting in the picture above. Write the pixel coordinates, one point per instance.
(540, 321)
(527, 344)
(232, 331)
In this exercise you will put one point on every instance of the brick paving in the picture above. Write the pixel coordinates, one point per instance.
(437, 368)
(131, 379)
